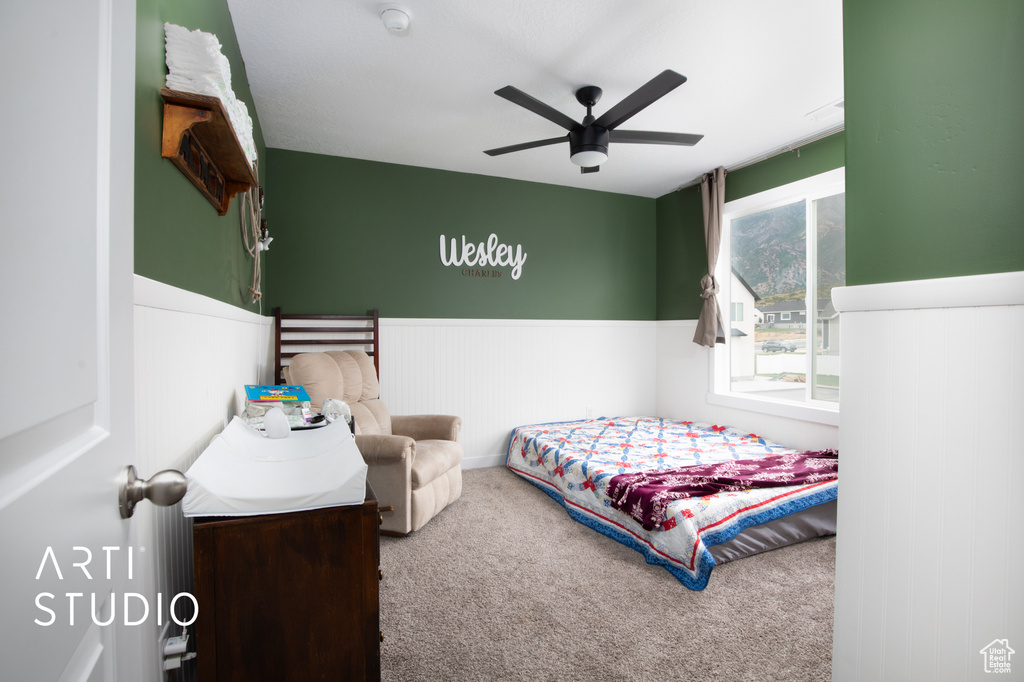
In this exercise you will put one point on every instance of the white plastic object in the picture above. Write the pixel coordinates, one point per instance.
(174, 662)
(396, 18)
(333, 409)
(276, 424)
(175, 645)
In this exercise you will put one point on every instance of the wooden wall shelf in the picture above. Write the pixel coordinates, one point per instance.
(199, 140)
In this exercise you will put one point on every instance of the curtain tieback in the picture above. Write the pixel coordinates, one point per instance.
(709, 286)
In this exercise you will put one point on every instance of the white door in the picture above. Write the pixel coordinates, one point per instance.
(66, 184)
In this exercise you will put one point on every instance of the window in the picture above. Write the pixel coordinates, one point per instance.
(783, 251)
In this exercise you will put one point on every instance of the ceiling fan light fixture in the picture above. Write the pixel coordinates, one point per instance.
(588, 146)
(589, 157)
(588, 140)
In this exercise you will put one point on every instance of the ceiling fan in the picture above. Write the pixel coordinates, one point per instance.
(589, 140)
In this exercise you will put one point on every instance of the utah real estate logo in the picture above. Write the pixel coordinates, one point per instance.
(997, 656)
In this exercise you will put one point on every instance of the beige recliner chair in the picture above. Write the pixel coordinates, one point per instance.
(414, 462)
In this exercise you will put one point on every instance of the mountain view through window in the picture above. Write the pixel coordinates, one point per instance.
(780, 346)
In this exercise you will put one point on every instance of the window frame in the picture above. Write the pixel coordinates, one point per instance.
(808, 189)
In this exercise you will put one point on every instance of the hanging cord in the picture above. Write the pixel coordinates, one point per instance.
(249, 212)
(250, 216)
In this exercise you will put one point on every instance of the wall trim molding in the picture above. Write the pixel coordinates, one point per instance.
(502, 322)
(153, 294)
(996, 289)
(484, 461)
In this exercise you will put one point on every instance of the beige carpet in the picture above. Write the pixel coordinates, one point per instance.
(503, 585)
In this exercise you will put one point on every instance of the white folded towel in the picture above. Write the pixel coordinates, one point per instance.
(196, 64)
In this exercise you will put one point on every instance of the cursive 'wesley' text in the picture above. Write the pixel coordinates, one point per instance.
(484, 254)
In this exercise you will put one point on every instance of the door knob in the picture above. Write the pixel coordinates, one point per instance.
(165, 488)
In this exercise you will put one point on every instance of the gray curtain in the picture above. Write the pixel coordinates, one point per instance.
(710, 329)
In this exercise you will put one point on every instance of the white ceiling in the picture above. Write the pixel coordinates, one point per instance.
(328, 78)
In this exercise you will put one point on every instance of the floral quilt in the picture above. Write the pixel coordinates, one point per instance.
(574, 461)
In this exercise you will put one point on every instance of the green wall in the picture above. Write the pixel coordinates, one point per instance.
(682, 260)
(811, 159)
(934, 138)
(179, 238)
(352, 235)
(934, 159)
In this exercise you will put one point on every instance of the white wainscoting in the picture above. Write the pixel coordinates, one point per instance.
(499, 374)
(193, 354)
(931, 519)
(930, 553)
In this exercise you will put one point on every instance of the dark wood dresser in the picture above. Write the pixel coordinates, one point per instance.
(289, 596)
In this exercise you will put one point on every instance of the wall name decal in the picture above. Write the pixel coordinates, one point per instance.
(484, 254)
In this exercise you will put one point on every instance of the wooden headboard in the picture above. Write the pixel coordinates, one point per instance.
(319, 333)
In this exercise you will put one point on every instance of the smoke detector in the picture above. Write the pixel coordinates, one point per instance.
(396, 19)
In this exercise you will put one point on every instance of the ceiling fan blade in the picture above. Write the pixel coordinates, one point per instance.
(656, 88)
(525, 145)
(650, 137)
(589, 169)
(519, 97)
